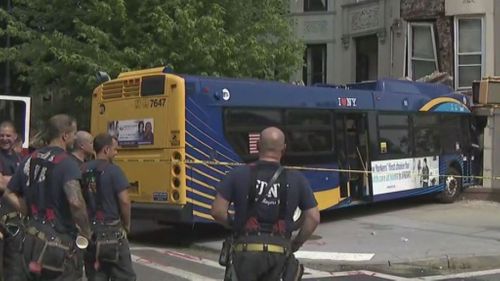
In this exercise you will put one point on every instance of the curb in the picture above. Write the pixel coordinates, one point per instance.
(481, 193)
(418, 268)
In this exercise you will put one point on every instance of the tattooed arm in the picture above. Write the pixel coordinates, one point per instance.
(77, 205)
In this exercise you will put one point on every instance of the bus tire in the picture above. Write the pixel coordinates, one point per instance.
(453, 186)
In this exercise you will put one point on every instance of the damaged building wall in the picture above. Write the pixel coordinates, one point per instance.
(433, 11)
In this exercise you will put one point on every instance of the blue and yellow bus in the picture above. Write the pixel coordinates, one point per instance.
(360, 143)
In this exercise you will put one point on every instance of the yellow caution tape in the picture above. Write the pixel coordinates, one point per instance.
(301, 168)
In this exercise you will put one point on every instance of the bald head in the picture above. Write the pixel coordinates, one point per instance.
(7, 135)
(82, 137)
(272, 140)
(84, 142)
(8, 124)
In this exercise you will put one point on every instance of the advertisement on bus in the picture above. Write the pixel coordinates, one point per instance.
(404, 174)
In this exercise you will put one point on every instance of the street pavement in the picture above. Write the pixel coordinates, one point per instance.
(404, 240)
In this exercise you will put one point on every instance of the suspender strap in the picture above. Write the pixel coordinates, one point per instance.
(251, 222)
(283, 197)
(94, 197)
(41, 180)
(252, 191)
(99, 194)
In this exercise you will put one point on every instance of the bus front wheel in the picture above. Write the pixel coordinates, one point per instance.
(453, 186)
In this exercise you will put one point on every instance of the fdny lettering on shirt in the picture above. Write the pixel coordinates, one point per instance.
(272, 197)
(40, 171)
(347, 102)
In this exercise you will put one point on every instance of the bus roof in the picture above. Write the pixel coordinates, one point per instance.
(382, 94)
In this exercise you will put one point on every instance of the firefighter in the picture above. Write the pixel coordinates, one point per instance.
(265, 197)
(46, 188)
(106, 191)
(10, 219)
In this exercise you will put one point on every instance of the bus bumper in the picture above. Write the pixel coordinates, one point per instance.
(163, 213)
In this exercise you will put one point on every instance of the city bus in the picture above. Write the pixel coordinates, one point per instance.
(356, 144)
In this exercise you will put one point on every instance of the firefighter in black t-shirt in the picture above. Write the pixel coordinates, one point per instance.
(46, 188)
(263, 221)
(10, 220)
(106, 191)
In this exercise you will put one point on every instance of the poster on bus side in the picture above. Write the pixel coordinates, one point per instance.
(404, 174)
(132, 132)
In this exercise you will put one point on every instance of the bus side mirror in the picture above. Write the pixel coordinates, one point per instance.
(102, 77)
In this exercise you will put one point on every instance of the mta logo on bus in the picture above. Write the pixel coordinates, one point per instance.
(347, 102)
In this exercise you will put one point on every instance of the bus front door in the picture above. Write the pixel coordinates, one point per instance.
(352, 151)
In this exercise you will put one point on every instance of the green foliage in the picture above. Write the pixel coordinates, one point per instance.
(57, 48)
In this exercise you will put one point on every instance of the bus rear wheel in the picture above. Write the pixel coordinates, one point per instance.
(453, 186)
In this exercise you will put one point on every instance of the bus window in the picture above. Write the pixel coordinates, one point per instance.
(153, 86)
(252, 117)
(309, 141)
(450, 133)
(394, 134)
(309, 136)
(309, 118)
(243, 126)
(396, 141)
(391, 120)
(426, 134)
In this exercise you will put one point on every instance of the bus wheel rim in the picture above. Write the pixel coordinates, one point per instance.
(451, 185)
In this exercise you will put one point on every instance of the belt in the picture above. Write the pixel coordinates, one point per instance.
(9, 216)
(44, 237)
(257, 247)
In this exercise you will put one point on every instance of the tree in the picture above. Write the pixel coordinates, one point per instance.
(57, 48)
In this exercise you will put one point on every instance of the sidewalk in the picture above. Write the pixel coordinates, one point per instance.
(405, 237)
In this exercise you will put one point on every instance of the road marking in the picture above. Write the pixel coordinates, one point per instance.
(460, 275)
(169, 269)
(322, 274)
(308, 272)
(335, 256)
(180, 255)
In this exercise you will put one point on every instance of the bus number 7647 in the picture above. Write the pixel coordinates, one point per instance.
(157, 102)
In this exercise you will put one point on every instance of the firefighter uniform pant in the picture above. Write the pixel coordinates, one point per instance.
(122, 270)
(13, 258)
(73, 268)
(258, 266)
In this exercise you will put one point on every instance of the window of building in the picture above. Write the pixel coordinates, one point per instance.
(315, 5)
(315, 64)
(422, 56)
(469, 49)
